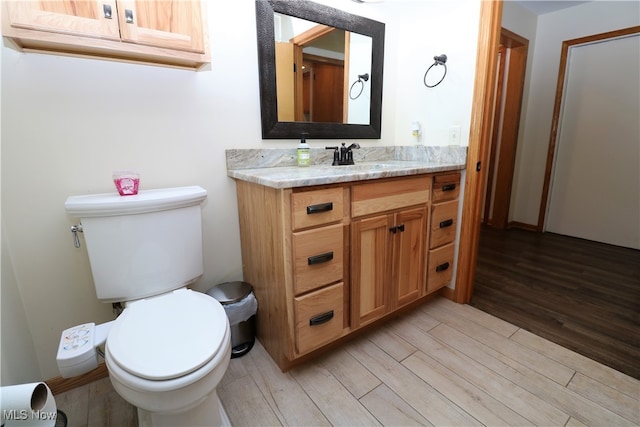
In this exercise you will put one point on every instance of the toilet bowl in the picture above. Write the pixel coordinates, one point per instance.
(167, 354)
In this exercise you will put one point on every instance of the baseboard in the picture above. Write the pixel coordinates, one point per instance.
(448, 293)
(523, 226)
(60, 385)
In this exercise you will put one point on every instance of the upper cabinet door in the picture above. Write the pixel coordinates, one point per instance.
(168, 24)
(88, 18)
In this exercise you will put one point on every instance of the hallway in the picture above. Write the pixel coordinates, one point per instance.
(580, 294)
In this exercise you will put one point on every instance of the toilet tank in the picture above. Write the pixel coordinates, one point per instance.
(141, 245)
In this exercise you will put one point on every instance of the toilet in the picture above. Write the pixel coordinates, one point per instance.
(170, 347)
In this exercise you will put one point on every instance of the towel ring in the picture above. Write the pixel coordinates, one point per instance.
(439, 60)
(361, 79)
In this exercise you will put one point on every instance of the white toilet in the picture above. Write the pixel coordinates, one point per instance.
(170, 347)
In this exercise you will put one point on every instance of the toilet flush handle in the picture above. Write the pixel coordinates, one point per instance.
(75, 229)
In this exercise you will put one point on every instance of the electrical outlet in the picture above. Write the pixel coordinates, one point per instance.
(454, 135)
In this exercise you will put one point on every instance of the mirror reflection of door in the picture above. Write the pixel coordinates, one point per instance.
(310, 75)
(312, 72)
(323, 91)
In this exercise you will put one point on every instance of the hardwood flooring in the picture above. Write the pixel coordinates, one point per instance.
(580, 294)
(440, 364)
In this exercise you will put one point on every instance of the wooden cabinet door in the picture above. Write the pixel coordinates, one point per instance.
(370, 268)
(87, 18)
(173, 24)
(409, 255)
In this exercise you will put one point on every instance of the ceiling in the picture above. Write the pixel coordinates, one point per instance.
(540, 7)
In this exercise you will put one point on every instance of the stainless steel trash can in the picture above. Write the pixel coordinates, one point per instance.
(240, 304)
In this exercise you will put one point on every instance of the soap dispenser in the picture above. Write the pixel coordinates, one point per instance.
(304, 151)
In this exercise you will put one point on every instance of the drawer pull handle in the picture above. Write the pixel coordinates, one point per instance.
(442, 267)
(106, 8)
(319, 259)
(322, 207)
(448, 187)
(447, 223)
(321, 318)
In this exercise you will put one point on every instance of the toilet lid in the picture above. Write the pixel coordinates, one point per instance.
(168, 336)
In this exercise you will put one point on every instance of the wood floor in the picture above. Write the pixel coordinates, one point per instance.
(441, 364)
(580, 294)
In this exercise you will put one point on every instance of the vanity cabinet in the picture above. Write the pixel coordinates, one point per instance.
(444, 220)
(294, 245)
(317, 252)
(388, 246)
(158, 32)
(327, 260)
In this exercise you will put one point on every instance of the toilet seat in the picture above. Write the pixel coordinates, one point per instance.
(168, 336)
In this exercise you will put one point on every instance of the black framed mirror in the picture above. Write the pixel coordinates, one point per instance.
(290, 127)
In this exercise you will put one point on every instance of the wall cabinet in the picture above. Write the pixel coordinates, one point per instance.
(158, 32)
(327, 260)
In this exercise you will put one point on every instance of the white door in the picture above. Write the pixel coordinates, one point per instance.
(595, 190)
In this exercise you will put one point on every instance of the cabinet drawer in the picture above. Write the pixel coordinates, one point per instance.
(318, 256)
(444, 218)
(388, 195)
(446, 187)
(317, 207)
(440, 267)
(319, 317)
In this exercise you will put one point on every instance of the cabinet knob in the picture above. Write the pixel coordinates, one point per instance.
(106, 8)
(397, 228)
(128, 16)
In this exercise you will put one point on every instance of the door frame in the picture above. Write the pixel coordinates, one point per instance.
(477, 152)
(557, 107)
(506, 126)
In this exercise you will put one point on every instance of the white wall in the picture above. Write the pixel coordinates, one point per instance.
(540, 85)
(19, 363)
(68, 122)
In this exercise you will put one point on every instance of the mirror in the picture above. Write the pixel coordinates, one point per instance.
(344, 49)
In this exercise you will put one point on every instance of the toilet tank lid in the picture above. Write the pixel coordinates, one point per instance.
(111, 204)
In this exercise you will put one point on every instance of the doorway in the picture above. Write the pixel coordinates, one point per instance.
(322, 90)
(511, 66)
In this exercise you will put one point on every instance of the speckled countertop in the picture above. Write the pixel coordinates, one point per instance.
(277, 167)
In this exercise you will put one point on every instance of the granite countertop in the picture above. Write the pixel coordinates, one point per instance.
(276, 167)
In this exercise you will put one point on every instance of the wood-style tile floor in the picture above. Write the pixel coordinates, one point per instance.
(441, 364)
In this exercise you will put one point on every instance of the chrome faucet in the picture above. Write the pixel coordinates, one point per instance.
(343, 155)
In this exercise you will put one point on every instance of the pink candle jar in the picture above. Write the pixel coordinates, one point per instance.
(126, 182)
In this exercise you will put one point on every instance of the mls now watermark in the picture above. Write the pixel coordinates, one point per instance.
(26, 414)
